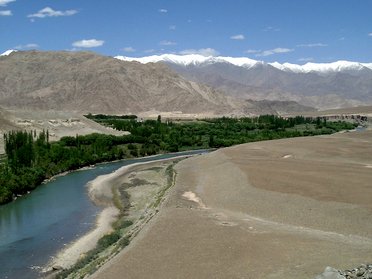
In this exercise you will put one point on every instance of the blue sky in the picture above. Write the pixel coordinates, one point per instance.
(295, 31)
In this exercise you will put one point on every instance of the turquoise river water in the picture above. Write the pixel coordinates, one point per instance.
(36, 226)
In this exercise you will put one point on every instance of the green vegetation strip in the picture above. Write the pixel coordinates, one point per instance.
(94, 258)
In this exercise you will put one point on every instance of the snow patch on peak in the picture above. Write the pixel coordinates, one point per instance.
(337, 66)
(287, 67)
(367, 65)
(239, 61)
(171, 58)
(189, 59)
(192, 59)
(6, 53)
(277, 65)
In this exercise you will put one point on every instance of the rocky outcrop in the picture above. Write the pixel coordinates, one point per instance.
(364, 271)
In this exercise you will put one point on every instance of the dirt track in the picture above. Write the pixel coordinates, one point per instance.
(277, 209)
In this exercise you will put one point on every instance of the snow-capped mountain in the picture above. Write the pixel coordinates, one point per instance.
(6, 53)
(193, 59)
(245, 62)
(339, 66)
(321, 85)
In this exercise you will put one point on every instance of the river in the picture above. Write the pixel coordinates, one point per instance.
(36, 226)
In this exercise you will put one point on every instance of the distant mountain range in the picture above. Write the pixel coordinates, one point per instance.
(324, 85)
(87, 82)
(245, 62)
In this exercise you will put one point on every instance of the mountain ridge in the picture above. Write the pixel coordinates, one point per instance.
(88, 82)
(196, 59)
(323, 86)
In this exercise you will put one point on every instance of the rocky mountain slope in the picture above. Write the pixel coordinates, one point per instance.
(87, 82)
(327, 85)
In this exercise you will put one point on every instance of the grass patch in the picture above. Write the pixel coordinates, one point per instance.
(92, 259)
(121, 199)
(138, 182)
(170, 173)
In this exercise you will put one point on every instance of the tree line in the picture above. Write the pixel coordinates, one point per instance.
(221, 132)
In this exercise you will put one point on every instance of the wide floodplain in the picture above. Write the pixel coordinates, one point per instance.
(275, 209)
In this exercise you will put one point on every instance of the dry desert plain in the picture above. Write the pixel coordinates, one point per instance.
(276, 209)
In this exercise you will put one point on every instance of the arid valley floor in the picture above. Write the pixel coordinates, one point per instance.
(274, 209)
(186, 139)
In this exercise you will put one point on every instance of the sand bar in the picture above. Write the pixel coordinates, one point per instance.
(248, 212)
(100, 190)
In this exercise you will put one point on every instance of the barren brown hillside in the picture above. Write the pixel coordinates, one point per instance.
(88, 82)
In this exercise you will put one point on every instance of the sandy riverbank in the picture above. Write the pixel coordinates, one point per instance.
(67, 257)
(276, 209)
(101, 191)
